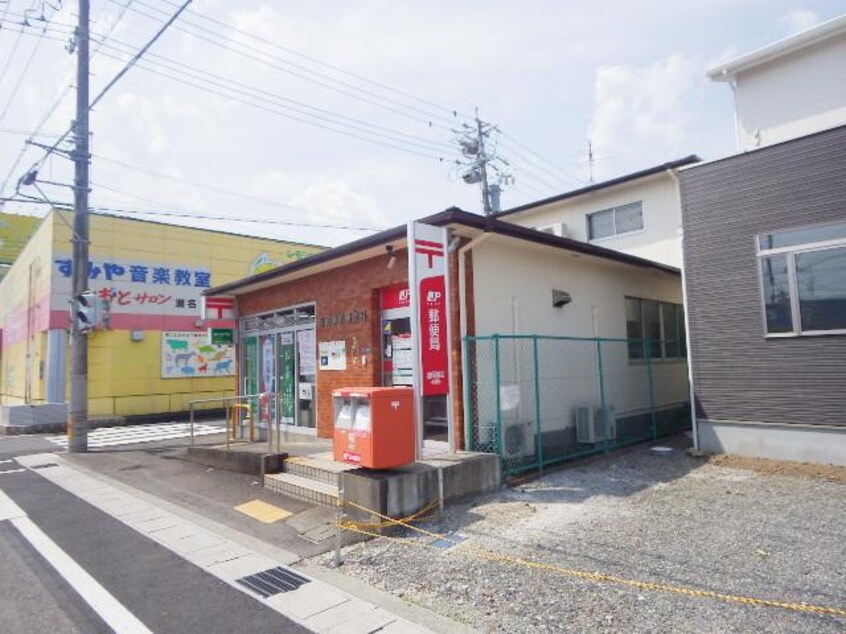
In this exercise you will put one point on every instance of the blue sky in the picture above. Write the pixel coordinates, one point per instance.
(630, 76)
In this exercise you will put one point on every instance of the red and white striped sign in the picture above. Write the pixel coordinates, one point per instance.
(219, 307)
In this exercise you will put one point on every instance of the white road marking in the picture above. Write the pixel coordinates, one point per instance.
(222, 557)
(136, 434)
(89, 589)
(12, 471)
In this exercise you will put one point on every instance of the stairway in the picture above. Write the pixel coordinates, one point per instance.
(312, 479)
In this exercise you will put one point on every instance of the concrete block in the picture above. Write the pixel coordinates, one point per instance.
(243, 461)
(366, 489)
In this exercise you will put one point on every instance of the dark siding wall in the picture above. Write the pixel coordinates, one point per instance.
(738, 374)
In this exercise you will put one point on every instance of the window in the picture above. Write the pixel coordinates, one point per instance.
(803, 280)
(661, 323)
(615, 221)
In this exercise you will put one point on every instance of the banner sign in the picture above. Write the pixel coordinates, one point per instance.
(396, 297)
(136, 287)
(429, 270)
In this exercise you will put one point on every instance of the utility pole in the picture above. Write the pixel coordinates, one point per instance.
(78, 420)
(483, 165)
(474, 170)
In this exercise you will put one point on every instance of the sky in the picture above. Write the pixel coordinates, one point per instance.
(322, 121)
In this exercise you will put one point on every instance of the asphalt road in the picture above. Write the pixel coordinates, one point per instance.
(156, 586)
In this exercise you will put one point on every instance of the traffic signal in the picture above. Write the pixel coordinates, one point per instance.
(85, 311)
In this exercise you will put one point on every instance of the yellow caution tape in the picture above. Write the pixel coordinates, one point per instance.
(596, 577)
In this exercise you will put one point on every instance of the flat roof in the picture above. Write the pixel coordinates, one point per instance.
(626, 178)
(820, 33)
(451, 216)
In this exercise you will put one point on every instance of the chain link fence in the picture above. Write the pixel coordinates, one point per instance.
(537, 400)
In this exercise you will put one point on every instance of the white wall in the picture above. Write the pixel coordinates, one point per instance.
(793, 95)
(659, 239)
(512, 288)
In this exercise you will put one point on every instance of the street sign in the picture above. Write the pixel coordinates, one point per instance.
(221, 336)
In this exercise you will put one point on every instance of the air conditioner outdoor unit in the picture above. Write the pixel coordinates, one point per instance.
(557, 229)
(591, 424)
(518, 439)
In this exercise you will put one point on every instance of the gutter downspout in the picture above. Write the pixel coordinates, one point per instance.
(462, 301)
(673, 175)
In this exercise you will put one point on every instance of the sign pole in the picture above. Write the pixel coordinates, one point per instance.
(413, 303)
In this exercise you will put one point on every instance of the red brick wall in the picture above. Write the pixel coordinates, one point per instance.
(356, 287)
(353, 287)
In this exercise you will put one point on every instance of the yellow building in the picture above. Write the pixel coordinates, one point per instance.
(15, 231)
(154, 356)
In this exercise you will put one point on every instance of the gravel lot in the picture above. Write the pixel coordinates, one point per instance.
(667, 519)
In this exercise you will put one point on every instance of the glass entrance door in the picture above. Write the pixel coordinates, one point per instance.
(281, 358)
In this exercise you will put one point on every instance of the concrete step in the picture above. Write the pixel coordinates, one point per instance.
(319, 467)
(301, 488)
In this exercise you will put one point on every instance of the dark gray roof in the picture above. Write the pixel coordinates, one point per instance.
(451, 216)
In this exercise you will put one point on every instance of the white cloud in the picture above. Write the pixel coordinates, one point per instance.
(798, 20)
(643, 109)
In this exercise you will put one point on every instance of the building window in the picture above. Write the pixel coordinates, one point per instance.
(615, 221)
(803, 280)
(659, 323)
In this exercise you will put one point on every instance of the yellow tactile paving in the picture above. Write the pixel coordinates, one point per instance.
(263, 512)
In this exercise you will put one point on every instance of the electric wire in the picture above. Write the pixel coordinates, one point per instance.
(200, 185)
(281, 113)
(297, 70)
(302, 108)
(455, 113)
(23, 74)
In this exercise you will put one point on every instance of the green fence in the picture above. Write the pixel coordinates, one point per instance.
(538, 400)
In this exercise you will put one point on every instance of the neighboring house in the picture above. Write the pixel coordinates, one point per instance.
(352, 301)
(638, 213)
(791, 88)
(15, 232)
(154, 357)
(765, 267)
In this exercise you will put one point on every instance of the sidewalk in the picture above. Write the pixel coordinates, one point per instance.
(327, 602)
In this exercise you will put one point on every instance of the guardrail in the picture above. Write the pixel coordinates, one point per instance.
(233, 405)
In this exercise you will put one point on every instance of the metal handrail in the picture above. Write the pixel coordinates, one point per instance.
(226, 400)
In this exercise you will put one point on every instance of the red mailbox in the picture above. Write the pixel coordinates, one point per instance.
(374, 426)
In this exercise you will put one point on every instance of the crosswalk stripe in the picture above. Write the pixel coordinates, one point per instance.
(135, 434)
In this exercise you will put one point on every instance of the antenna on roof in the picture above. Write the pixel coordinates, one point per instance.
(590, 161)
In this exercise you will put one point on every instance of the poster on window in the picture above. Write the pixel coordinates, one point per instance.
(308, 353)
(333, 355)
(286, 377)
(188, 354)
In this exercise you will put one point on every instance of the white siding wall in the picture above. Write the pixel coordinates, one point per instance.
(792, 96)
(659, 239)
(513, 295)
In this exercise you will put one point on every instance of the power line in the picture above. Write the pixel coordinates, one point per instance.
(60, 98)
(201, 185)
(23, 74)
(193, 216)
(285, 223)
(273, 98)
(300, 71)
(289, 116)
(337, 69)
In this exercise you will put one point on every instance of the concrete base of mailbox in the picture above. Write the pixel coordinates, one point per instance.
(403, 491)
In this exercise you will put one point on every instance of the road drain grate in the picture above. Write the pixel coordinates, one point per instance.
(43, 466)
(273, 581)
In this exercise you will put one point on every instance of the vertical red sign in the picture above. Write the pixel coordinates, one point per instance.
(434, 347)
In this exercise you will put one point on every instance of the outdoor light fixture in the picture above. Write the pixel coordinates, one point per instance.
(392, 259)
